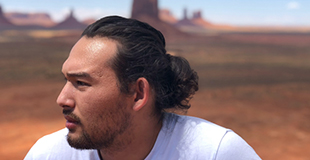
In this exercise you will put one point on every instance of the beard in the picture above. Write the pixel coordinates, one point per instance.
(83, 142)
(102, 136)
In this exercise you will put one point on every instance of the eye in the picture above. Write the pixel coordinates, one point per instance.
(80, 83)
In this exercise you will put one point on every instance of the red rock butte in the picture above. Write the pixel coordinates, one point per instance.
(147, 11)
(70, 23)
(186, 21)
(4, 22)
(145, 8)
(30, 19)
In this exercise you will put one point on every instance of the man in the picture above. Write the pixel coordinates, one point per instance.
(120, 81)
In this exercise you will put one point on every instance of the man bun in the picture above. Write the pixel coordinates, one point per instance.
(183, 84)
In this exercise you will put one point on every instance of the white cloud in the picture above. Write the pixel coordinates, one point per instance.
(292, 5)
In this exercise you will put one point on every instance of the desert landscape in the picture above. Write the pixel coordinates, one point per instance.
(255, 84)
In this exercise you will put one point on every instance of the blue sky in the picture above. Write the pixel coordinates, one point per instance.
(231, 12)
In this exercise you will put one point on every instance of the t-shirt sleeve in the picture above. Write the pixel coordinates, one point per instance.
(233, 147)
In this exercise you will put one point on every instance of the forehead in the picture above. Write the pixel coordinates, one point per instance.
(89, 54)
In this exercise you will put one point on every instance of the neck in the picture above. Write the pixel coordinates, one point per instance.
(139, 142)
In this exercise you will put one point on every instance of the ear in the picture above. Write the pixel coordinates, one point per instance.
(142, 93)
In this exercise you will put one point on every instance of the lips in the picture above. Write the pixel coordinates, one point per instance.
(71, 123)
(70, 119)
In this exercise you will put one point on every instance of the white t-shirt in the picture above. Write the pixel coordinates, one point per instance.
(181, 138)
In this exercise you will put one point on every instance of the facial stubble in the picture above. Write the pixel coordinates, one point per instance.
(93, 136)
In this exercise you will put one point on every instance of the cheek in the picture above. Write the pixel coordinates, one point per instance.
(92, 106)
(96, 106)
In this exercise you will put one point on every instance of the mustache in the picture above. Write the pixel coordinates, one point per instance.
(68, 112)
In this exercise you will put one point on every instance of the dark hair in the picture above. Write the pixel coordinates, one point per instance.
(142, 53)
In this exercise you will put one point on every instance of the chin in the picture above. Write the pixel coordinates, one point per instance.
(80, 141)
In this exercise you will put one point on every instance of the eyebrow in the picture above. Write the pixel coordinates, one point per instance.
(79, 75)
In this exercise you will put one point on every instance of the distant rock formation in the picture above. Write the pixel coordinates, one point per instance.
(144, 7)
(197, 24)
(89, 21)
(198, 20)
(4, 22)
(185, 21)
(147, 11)
(166, 16)
(70, 23)
(197, 15)
(28, 19)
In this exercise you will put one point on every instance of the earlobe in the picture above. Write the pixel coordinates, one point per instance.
(142, 90)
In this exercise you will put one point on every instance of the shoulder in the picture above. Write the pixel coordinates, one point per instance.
(232, 145)
(198, 138)
(55, 146)
(197, 127)
(199, 132)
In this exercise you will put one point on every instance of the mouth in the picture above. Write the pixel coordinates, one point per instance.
(72, 122)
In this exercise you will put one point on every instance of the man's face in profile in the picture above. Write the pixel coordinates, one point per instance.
(97, 113)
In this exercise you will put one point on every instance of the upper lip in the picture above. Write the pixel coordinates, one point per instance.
(70, 119)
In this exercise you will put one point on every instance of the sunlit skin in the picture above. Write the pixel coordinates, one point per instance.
(121, 126)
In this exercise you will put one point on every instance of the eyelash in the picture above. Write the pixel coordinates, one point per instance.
(79, 83)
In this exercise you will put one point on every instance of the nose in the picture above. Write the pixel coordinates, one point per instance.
(65, 98)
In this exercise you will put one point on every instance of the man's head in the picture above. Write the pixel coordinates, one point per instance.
(118, 67)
